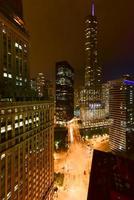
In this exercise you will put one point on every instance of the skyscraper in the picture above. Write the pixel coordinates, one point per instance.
(40, 84)
(26, 127)
(26, 150)
(11, 7)
(93, 72)
(121, 109)
(14, 53)
(64, 93)
(92, 109)
(64, 105)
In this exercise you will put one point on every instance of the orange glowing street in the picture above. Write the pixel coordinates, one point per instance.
(75, 164)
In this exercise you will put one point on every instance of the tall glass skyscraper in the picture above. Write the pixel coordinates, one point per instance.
(92, 109)
(93, 72)
(64, 93)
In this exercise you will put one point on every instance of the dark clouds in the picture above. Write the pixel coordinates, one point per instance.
(57, 33)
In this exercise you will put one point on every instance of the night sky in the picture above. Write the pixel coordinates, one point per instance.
(57, 33)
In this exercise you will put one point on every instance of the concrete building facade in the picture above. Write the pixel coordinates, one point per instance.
(121, 112)
(26, 150)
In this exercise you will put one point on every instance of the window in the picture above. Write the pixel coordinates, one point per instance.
(5, 74)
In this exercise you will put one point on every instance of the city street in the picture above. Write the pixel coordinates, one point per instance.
(76, 164)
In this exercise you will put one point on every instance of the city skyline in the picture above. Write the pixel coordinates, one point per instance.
(63, 37)
(64, 134)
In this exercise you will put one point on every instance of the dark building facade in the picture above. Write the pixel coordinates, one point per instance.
(64, 93)
(112, 177)
(121, 109)
(11, 7)
(14, 53)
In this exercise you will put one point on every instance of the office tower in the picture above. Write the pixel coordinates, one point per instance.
(14, 53)
(64, 93)
(111, 177)
(122, 115)
(26, 150)
(40, 84)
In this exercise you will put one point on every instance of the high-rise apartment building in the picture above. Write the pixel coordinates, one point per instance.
(26, 150)
(121, 109)
(14, 52)
(64, 93)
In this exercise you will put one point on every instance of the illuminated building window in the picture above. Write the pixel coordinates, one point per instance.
(20, 47)
(5, 74)
(9, 75)
(16, 117)
(62, 81)
(9, 127)
(16, 44)
(2, 111)
(4, 31)
(26, 122)
(21, 123)
(3, 129)
(20, 116)
(3, 156)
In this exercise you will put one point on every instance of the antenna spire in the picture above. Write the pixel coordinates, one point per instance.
(92, 8)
